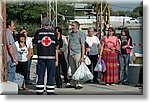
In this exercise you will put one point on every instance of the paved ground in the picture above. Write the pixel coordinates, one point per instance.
(88, 89)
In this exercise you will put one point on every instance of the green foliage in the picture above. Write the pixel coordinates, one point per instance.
(28, 12)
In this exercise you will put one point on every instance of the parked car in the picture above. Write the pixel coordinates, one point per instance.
(140, 19)
(133, 20)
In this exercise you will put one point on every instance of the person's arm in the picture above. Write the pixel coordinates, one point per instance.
(34, 41)
(101, 50)
(11, 51)
(82, 42)
(56, 63)
(65, 44)
(83, 52)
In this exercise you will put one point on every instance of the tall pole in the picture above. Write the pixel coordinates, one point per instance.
(109, 12)
(101, 13)
(97, 14)
(50, 9)
(56, 13)
(4, 41)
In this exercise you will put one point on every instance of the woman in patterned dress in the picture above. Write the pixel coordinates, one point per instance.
(109, 47)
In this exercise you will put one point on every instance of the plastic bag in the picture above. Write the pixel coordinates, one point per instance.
(100, 66)
(82, 73)
(19, 79)
(69, 71)
(87, 60)
(103, 65)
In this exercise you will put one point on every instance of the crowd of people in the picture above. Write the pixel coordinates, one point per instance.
(55, 53)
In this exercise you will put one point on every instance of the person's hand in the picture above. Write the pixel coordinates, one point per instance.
(82, 59)
(59, 52)
(15, 61)
(88, 49)
(100, 57)
(124, 47)
(28, 57)
(113, 48)
(56, 63)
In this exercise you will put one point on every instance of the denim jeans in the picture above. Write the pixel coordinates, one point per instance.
(11, 71)
(124, 60)
(28, 70)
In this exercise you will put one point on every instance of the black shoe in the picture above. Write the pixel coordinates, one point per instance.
(125, 83)
(69, 86)
(51, 93)
(59, 86)
(78, 87)
(138, 85)
(29, 83)
(39, 93)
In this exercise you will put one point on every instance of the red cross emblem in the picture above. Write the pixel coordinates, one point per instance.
(46, 41)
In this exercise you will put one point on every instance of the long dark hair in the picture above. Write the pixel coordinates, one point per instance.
(60, 42)
(125, 29)
(21, 35)
(113, 29)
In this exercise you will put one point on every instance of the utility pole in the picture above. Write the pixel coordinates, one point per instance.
(4, 43)
(101, 14)
(50, 10)
(103, 21)
(56, 12)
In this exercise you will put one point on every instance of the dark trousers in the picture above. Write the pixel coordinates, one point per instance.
(62, 62)
(41, 68)
(141, 76)
(21, 68)
(94, 59)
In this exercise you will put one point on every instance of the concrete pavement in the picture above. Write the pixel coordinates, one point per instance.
(90, 89)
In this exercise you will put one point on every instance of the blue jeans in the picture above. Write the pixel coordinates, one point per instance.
(28, 70)
(11, 71)
(124, 60)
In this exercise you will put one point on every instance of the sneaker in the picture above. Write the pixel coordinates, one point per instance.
(69, 86)
(113, 84)
(107, 84)
(78, 86)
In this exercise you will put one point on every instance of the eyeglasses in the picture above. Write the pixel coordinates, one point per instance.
(72, 25)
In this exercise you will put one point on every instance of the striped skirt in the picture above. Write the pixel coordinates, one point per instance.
(111, 61)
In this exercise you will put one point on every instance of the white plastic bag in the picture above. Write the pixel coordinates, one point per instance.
(87, 60)
(98, 67)
(82, 73)
(69, 71)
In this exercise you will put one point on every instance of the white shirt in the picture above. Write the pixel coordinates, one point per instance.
(29, 42)
(93, 43)
(22, 51)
